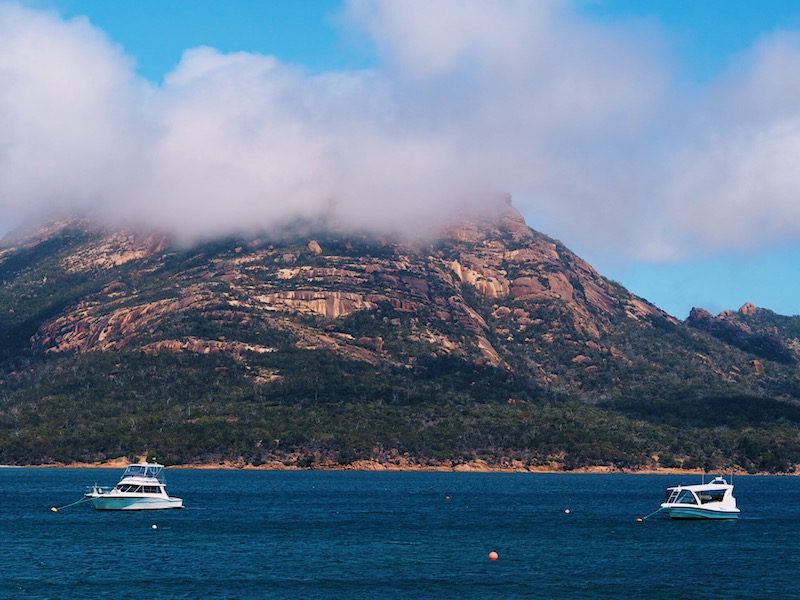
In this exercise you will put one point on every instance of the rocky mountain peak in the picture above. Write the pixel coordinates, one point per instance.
(489, 290)
(475, 224)
(755, 330)
(699, 315)
(748, 309)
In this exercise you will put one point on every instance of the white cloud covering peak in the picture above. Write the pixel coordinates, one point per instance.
(582, 122)
(70, 114)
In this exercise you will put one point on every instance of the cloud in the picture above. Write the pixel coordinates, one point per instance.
(584, 123)
(735, 182)
(71, 127)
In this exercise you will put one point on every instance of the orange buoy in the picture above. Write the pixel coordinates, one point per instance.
(493, 555)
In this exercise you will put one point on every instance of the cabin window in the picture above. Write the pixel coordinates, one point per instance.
(711, 496)
(686, 497)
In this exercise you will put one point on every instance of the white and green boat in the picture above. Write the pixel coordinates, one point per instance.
(142, 487)
(712, 500)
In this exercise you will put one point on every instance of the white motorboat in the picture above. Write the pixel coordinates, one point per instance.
(142, 487)
(712, 500)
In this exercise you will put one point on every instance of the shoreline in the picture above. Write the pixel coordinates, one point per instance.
(475, 466)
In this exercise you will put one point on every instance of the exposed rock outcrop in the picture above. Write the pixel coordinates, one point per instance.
(201, 346)
(115, 250)
(93, 326)
(326, 304)
(491, 292)
(751, 330)
(314, 247)
(748, 309)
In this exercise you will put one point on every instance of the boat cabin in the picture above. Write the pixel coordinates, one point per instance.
(716, 491)
(140, 489)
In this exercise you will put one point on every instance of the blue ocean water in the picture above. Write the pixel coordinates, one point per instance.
(305, 534)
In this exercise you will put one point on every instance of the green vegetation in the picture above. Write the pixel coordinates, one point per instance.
(187, 408)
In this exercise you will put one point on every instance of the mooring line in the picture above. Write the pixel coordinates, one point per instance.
(56, 509)
(642, 519)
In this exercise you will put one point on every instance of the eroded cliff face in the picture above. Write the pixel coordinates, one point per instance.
(490, 291)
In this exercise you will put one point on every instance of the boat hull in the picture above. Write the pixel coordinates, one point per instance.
(689, 512)
(104, 502)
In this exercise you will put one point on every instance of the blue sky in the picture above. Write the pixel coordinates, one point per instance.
(706, 37)
(692, 54)
(705, 34)
(156, 32)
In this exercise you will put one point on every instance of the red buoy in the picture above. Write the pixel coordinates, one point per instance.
(493, 555)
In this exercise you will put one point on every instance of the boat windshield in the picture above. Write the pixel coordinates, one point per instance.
(142, 471)
(679, 496)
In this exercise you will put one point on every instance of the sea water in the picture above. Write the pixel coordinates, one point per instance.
(306, 534)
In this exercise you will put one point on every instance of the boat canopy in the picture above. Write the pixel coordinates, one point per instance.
(705, 493)
(147, 470)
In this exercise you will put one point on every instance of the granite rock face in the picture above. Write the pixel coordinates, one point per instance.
(488, 291)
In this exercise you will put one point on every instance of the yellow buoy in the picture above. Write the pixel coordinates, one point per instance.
(53, 509)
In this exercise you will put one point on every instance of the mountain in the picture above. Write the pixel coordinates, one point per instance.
(757, 331)
(311, 345)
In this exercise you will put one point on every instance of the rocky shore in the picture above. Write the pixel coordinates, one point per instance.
(474, 466)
